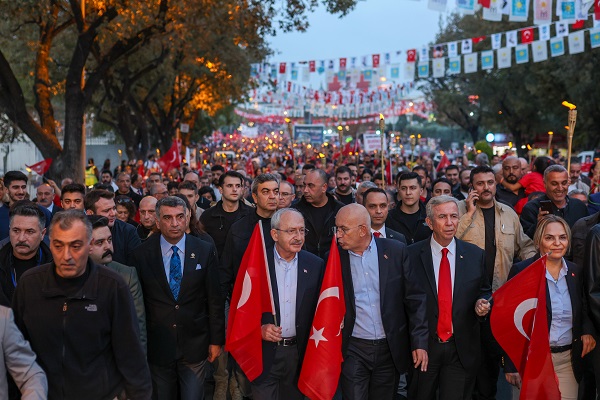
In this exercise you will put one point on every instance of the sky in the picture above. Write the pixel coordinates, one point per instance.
(373, 27)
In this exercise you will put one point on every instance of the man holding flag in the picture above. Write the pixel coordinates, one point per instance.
(271, 313)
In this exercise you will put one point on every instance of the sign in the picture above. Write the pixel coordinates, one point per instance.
(312, 134)
(372, 142)
(184, 128)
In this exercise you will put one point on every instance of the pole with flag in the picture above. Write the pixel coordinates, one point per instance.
(519, 323)
(41, 167)
(252, 296)
(322, 364)
(382, 133)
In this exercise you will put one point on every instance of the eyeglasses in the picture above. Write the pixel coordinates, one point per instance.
(294, 232)
(342, 229)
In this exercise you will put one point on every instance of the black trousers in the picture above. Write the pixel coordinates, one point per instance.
(281, 383)
(188, 377)
(368, 371)
(487, 375)
(444, 373)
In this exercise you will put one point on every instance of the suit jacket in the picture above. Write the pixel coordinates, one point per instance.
(182, 328)
(310, 275)
(402, 302)
(582, 324)
(392, 234)
(17, 358)
(470, 284)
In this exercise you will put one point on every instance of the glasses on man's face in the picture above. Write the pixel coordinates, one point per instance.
(294, 232)
(343, 229)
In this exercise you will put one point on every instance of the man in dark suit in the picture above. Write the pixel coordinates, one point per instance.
(45, 198)
(296, 277)
(442, 264)
(375, 201)
(385, 310)
(184, 308)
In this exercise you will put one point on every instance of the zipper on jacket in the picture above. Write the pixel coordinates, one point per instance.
(64, 329)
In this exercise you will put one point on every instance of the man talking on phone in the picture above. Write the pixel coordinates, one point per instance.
(495, 228)
(556, 181)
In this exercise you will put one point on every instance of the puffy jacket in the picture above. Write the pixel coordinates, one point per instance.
(509, 237)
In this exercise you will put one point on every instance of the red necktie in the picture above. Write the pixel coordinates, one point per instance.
(377, 234)
(444, 327)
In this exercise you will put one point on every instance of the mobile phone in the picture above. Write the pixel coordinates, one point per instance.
(546, 205)
(470, 190)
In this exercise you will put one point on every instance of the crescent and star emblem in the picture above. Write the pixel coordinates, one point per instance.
(317, 334)
(246, 290)
(520, 312)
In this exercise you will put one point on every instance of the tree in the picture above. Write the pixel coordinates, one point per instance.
(56, 54)
(523, 100)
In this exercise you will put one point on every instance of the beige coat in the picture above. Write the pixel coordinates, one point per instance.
(510, 239)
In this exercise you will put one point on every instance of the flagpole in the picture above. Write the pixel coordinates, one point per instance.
(382, 133)
(262, 240)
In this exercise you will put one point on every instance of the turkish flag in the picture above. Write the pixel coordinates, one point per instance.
(597, 10)
(444, 162)
(171, 159)
(375, 58)
(251, 298)
(411, 55)
(527, 35)
(478, 39)
(579, 24)
(42, 167)
(312, 66)
(523, 334)
(485, 3)
(282, 68)
(343, 63)
(322, 362)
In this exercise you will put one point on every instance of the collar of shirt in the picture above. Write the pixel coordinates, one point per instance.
(282, 260)
(561, 274)
(371, 247)
(437, 248)
(165, 247)
(50, 207)
(382, 231)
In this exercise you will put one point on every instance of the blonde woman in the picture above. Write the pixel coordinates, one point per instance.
(569, 325)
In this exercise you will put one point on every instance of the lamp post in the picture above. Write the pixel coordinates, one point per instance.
(550, 134)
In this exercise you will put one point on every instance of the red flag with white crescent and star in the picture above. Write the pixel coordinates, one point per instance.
(526, 35)
(41, 167)
(171, 159)
(519, 323)
(322, 364)
(252, 296)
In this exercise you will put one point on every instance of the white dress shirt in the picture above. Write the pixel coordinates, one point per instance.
(381, 231)
(167, 252)
(436, 255)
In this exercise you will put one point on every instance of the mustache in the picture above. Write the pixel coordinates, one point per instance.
(24, 244)
(107, 253)
(297, 242)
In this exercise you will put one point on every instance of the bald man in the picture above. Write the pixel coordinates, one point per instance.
(385, 310)
(511, 172)
(147, 217)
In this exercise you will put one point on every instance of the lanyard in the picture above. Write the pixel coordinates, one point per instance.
(13, 272)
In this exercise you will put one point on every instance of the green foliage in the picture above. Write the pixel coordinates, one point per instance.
(524, 100)
(484, 147)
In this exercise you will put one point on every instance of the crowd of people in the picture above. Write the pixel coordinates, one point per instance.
(119, 287)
